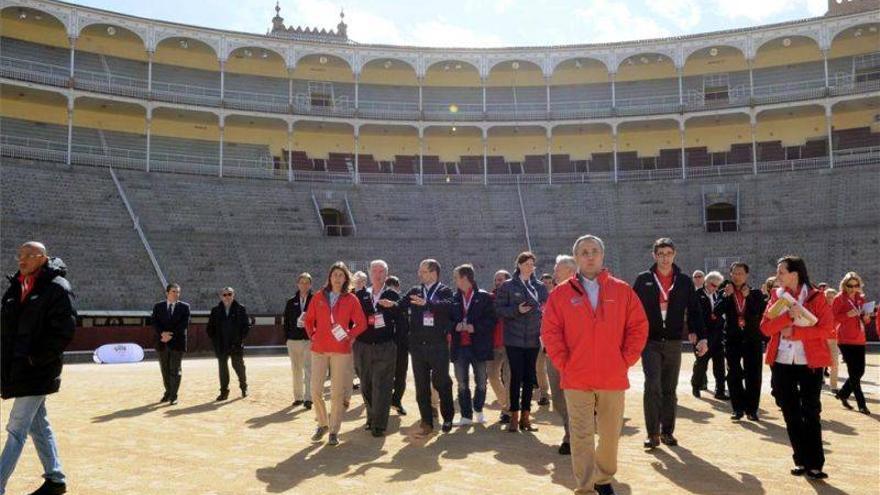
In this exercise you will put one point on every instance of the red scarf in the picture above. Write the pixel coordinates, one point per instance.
(27, 285)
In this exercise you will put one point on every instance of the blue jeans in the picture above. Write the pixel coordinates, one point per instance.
(28, 415)
(463, 362)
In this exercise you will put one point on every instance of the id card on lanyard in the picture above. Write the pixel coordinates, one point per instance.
(377, 319)
(664, 297)
(740, 309)
(428, 316)
(336, 329)
(858, 309)
(300, 321)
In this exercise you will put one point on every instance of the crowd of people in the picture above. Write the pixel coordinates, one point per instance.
(571, 335)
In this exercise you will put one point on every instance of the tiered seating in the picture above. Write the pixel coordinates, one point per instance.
(431, 165)
(340, 162)
(815, 148)
(740, 153)
(628, 160)
(406, 164)
(471, 165)
(669, 158)
(697, 157)
(601, 162)
(535, 164)
(860, 137)
(25, 50)
(562, 164)
(368, 165)
(770, 151)
(497, 165)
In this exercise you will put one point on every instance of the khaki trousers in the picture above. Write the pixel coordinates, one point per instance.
(591, 412)
(340, 366)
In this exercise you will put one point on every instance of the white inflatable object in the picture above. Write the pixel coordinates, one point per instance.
(118, 353)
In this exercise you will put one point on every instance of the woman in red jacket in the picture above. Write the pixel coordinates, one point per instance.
(334, 319)
(852, 319)
(797, 354)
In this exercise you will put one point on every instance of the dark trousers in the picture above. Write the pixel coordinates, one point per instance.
(169, 364)
(744, 365)
(796, 389)
(374, 365)
(854, 357)
(701, 365)
(661, 362)
(237, 358)
(523, 377)
(400, 369)
(431, 367)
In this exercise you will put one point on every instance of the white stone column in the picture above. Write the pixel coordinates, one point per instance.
(829, 124)
(222, 133)
(485, 157)
(149, 130)
(421, 156)
(72, 41)
(290, 151)
(614, 148)
(683, 154)
(357, 148)
(754, 124)
(150, 73)
(69, 130)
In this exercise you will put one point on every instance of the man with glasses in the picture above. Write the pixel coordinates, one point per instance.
(37, 321)
(228, 326)
(714, 324)
(668, 296)
(699, 279)
(170, 322)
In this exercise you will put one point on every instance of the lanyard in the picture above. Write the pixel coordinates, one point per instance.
(531, 290)
(375, 296)
(664, 294)
(428, 295)
(853, 304)
(740, 308)
(466, 302)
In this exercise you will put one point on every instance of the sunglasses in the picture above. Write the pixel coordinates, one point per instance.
(227, 294)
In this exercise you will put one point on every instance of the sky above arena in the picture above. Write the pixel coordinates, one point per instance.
(475, 23)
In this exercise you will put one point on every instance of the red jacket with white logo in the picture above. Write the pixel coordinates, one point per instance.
(347, 313)
(815, 338)
(594, 349)
(852, 329)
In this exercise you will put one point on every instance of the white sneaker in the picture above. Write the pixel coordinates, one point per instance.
(480, 418)
(463, 422)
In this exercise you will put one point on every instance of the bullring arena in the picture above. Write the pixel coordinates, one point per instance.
(144, 152)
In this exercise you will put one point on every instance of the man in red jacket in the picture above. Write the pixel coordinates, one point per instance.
(594, 329)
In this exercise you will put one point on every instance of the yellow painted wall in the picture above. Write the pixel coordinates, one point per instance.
(712, 65)
(44, 111)
(855, 118)
(52, 34)
(527, 75)
(274, 136)
(436, 76)
(588, 74)
(314, 71)
(255, 65)
(774, 54)
(124, 122)
(717, 137)
(641, 72)
(515, 148)
(398, 74)
(196, 56)
(319, 145)
(581, 146)
(648, 143)
(385, 147)
(847, 44)
(451, 148)
(791, 131)
(124, 44)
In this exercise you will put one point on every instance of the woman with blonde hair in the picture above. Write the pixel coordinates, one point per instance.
(851, 318)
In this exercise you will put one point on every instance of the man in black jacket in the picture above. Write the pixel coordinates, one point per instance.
(428, 307)
(375, 350)
(473, 313)
(709, 295)
(170, 322)
(228, 326)
(668, 297)
(401, 339)
(299, 345)
(37, 322)
(742, 307)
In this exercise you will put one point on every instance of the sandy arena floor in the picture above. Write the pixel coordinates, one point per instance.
(116, 439)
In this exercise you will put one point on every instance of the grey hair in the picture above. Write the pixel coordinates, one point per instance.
(585, 238)
(701, 272)
(714, 276)
(359, 275)
(381, 263)
(564, 259)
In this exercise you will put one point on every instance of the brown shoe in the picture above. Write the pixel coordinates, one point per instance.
(525, 423)
(513, 426)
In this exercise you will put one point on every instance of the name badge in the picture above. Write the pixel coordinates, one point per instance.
(339, 333)
(428, 319)
(663, 315)
(378, 320)
(301, 321)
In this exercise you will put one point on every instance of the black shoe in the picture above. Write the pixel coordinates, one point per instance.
(826, 373)
(172, 401)
(50, 487)
(505, 418)
(798, 471)
(565, 448)
(652, 442)
(297, 403)
(223, 396)
(704, 387)
(835, 391)
(244, 392)
(368, 426)
(400, 410)
(668, 439)
(356, 387)
(378, 432)
(447, 427)
(843, 400)
(307, 404)
(543, 401)
(817, 474)
(696, 392)
(721, 396)
(738, 415)
(865, 411)
(753, 416)
(604, 489)
(165, 398)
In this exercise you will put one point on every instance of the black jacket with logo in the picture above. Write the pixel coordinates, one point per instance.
(683, 302)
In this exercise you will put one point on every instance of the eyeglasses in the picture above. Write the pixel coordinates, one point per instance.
(228, 294)
(24, 257)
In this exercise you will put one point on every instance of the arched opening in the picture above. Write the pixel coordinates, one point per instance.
(335, 223)
(721, 217)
